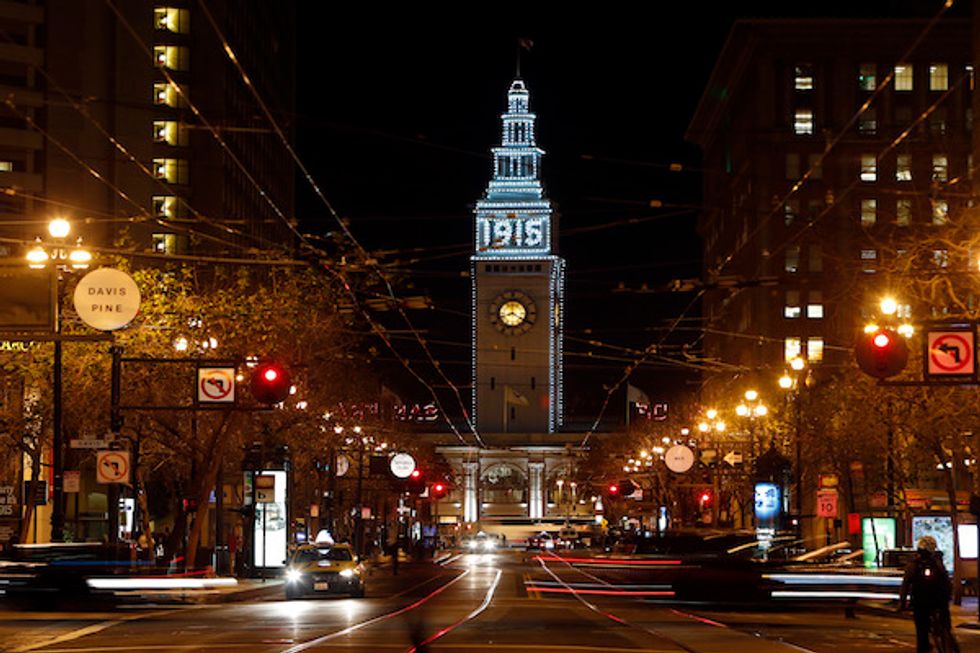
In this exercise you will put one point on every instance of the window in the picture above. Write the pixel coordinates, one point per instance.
(869, 255)
(6, 166)
(940, 212)
(173, 20)
(969, 73)
(165, 243)
(813, 163)
(804, 77)
(903, 117)
(793, 166)
(940, 257)
(174, 57)
(814, 307)
(816, 258)
(904, 311)
(938, 77)
(167, 95)
(173, 171)
(793, 258)
(867, 79)
(937, 121)
(792, 348)
(903, 77)
(869, 167)
(903, 212)
(814, 349)
(903, 167)
(170, 132)
(165, 206)
(791, 310)
(869, 212)
(803, 122)
(791, 209)
(868, 122)
(940, 167)
(869, 261)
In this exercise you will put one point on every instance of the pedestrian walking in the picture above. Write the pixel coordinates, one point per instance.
(927, 584)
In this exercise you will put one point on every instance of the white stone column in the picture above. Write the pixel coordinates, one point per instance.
(535, 500)
(470, 479)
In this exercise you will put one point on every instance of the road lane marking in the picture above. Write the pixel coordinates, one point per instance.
(87, 630)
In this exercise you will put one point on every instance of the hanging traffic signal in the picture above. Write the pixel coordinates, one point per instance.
(881, 353)
(627, 488)
(613, 490)
(270, 383)
(415, 483)
(438, 490)
(705, 497)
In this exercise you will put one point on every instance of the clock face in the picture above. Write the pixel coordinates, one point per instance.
(513, 312)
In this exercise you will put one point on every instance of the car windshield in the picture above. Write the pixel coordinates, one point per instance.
(326, 553)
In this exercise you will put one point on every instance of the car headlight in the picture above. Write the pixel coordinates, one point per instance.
(347, 573)
(548, 544)
(293, 576)
(471, 544)
(489, 546)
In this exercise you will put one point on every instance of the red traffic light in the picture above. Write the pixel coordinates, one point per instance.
(270, 383)
(439, 487)
(416, 473)
(613, 489)
(705, 497)
(882, 353)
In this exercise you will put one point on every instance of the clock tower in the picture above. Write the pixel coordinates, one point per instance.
(518, 288)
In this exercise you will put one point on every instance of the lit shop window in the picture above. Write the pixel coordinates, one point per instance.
(940, 212)
(938, 77)
(940, 167)
(803, 122)
(174, 57)
(867, 79)
(791, 310)
(804, 77)
(814, 307)
(792, 348)
(814, 349)
(165, 206)
(170, 132)
(166, 95)
(172, 19)
(903, 212)
(869, 212)
(903, 77)
(869, 167)
(903, 167)
(793, 258)
(173, 171)
(165, 243)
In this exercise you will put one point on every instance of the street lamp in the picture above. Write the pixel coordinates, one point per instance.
(796, 384)
(65, 258)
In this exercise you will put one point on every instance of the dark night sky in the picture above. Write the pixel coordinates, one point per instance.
(397, 113)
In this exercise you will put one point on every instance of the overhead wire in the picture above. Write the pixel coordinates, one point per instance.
(232, 57)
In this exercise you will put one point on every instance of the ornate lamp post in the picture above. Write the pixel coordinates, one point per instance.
(795, 384)
(65, 258)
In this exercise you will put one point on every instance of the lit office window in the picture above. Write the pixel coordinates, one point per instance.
(804, 77)
(903, 167)
(869, 167)
(792, 348)
(165, 206)
(903, 212)
(170, 132)
(903, 77)
(172, 19)
(940, 212)
(868, 122)
(793, 258)
(938, 77)
(869, 212)
(166, 95)
(803, 122)
(904, 311)
(867, 79)
(814, 307)
(814, 349)
(940, 167)
(940, 258)
(173, 171)
(6, 166)
(165, 243)
(791, 310)
(174, 57)
(937, 121)
(791, 209)
(869, 261)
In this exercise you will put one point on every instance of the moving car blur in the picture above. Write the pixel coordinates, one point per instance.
(320, 569)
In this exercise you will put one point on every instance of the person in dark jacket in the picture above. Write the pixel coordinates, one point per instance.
(927, 584)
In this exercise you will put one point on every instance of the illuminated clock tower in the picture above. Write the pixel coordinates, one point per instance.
(518, 288)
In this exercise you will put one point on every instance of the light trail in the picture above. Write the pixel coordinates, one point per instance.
(473, 615)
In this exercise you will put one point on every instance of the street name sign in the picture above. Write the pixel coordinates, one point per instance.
(951, 353)
(107, 299)
(402, 465)
(679, 458)
(88, 443)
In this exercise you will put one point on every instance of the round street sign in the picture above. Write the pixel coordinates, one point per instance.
(679, 458)
(343, 464)
(402, 465)
(107, 299)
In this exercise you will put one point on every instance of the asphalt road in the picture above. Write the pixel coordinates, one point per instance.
(477, 602)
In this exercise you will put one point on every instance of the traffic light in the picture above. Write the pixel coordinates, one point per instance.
(705, 498)
(627, 487)
(270, 383)
(438, 490)
(881, 353)
(415, 483)
(613, 490)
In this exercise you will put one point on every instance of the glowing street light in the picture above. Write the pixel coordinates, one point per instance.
(785, 382)
(751, 395)
(888, 306)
